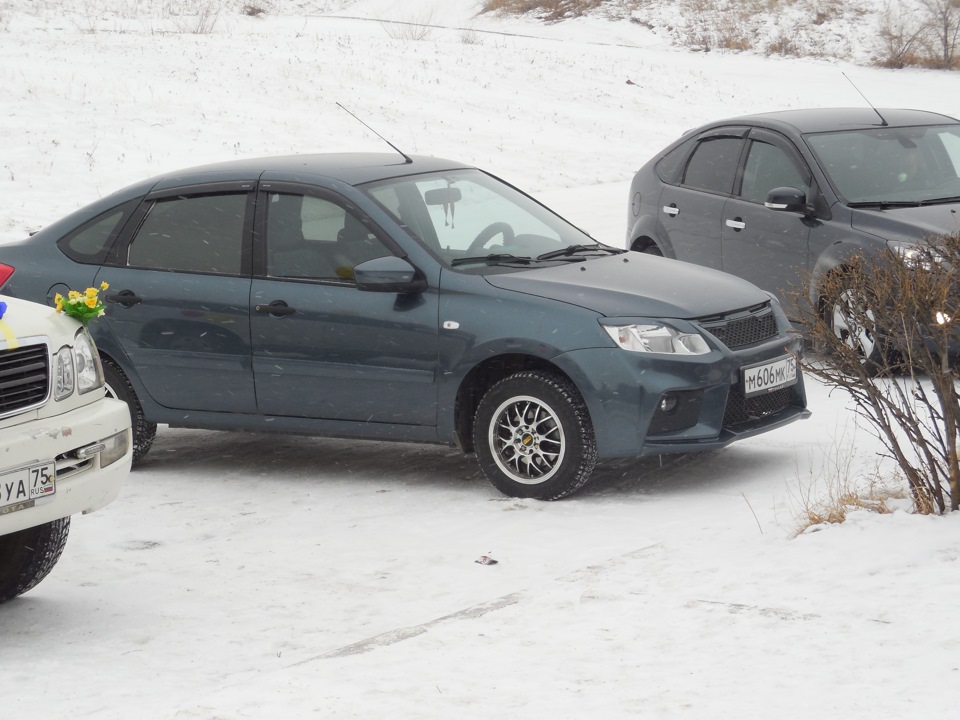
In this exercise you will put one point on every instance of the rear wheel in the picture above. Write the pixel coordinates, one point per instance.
(533, 436)
(119, 387)
(28, 556)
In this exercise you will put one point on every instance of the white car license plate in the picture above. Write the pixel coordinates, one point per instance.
(769, 376)
(21, 488)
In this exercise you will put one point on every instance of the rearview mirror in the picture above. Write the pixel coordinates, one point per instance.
(442, 196)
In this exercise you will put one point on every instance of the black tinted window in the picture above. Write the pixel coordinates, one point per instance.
(670, 167)
(714, 164)
(91, 242)
(196, 234)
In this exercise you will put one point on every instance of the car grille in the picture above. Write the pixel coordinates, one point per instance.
(24, 378)
(740, 409)
(742, 328)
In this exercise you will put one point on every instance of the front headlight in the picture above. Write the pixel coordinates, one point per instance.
(915, 255)
(64, 379)
(89, 373)
(656, 338)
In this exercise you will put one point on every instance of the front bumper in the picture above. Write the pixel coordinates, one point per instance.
(623, 391)
(82, 483)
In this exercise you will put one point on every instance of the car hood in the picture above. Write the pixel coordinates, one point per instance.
(909, 223)
(637, 285)
(24, 319)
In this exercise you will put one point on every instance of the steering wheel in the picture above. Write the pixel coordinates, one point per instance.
(490, 232)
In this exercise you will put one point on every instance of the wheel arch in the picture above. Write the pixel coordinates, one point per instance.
(481, 378)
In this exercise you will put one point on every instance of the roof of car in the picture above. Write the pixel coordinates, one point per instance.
(351, 168)
(812, 120)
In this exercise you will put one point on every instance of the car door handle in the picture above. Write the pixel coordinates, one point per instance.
(737, 224)
(127, 298)
(672, 210)
(277, 307)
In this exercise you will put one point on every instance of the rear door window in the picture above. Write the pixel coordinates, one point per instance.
(202, 234)
(713, 165)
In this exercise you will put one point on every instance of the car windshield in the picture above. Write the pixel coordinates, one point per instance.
(881, 166)
(471, 219)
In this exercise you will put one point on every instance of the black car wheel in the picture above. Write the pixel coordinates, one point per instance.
(533, 436)
(28, 556)
(119, 387)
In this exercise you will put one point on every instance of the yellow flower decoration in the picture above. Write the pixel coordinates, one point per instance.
(81, 306)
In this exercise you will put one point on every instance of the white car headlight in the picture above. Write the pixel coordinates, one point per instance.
(89, 373)
(656, 338)
(64, 378)
(914, 255)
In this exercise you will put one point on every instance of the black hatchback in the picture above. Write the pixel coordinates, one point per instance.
(782, 199)
(395, 298)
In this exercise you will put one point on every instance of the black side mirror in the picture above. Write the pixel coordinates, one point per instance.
(388, 274)
(787, 199)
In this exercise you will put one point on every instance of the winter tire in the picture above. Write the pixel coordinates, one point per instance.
(119, 387)
(533, 436)
(28, 556)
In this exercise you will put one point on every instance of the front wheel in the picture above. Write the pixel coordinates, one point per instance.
(119, 387)
(28, 556)
(533, 436)
(854, 324)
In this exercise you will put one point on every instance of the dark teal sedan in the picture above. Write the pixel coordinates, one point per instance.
(386, 297)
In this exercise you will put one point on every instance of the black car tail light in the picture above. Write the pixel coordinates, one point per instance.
(5, 272)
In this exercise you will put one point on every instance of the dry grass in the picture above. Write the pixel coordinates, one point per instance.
(836, 492)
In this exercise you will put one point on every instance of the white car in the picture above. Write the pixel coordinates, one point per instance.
(65, 447)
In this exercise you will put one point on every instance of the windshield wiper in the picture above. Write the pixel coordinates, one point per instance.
(942, 201)
(577, 249)
(884, 204)
(492, 259)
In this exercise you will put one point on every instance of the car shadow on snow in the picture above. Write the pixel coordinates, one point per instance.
(300, 459)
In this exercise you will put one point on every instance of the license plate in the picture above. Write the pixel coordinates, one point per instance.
(20, 489)
(769, 376)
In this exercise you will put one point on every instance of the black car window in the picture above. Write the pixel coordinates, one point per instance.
(316, 238)
(769, 167)
(670, 167)
(91, 242)
(713, 165)
(195, 234)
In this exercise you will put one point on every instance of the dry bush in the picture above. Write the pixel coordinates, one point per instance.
(199, 17)
(907, 304)
(943, 32)
(550, 10)
(412, 30)
(900, 35)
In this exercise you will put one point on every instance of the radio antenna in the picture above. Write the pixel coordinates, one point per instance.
(406, 158)
(883, 122)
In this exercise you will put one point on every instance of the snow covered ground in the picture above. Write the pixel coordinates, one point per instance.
(255, 576)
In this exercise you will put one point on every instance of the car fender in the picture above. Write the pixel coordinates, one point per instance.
(646, 228)
(839, 255)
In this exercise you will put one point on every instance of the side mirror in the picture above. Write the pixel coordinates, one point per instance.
(786, 198)
(388, 274)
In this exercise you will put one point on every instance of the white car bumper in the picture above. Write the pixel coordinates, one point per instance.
(70, 442)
